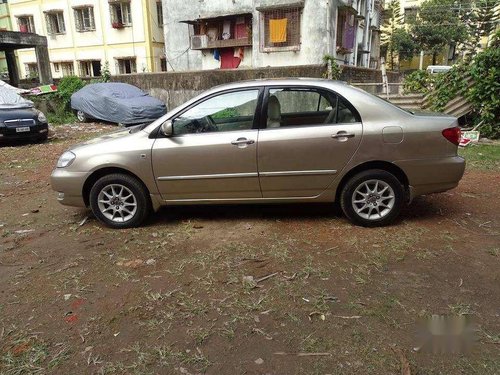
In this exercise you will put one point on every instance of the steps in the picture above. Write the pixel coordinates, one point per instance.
(410, 101)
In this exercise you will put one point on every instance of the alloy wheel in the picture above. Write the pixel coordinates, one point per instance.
(373, 199)
(117, 203)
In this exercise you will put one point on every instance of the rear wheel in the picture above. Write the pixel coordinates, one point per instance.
(81, 116)
(120, 201)
(372, 198)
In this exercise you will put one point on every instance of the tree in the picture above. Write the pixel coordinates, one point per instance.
(438, 25)
(393, 21)
(479, 18)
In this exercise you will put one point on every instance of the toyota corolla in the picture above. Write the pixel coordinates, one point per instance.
(267, 141)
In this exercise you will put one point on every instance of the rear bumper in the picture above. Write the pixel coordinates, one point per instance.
(428, 176)
(69, 186)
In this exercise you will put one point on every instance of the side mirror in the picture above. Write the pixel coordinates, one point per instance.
(167, 128)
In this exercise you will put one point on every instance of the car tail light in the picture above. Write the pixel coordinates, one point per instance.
(453, 135)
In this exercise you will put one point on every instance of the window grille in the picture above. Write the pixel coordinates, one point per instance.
(55, 22)
(281, 29)
(84, 19)
(120, 14)
(26, 24)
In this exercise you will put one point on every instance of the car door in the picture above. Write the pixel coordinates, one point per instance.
(308, 136)
(212, 153)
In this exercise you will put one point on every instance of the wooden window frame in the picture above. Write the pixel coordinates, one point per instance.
(79, 13)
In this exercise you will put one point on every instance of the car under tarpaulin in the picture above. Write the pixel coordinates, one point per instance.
(9, 99)
(117, 102)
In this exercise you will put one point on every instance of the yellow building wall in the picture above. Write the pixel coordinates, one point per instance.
(105, 43)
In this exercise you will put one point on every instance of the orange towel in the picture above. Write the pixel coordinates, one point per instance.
(277, 30)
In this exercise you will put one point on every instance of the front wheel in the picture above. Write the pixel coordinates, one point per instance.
(120, 201)
(81, 116)
(372, 198)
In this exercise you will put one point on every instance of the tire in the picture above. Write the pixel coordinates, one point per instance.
(81, 116)
(43, 138)
(123, 192)
(372, 198)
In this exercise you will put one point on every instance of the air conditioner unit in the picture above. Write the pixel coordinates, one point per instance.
(199, 41)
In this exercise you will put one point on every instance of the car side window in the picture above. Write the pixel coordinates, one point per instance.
(300, 107)
(345, 114)
(225, 112)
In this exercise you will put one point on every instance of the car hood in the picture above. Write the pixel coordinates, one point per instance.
(103, 139)
(17, 113)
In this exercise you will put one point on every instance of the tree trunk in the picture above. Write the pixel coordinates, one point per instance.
(434, 58)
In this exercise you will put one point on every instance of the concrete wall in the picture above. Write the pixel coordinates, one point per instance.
(316, 37)
(177, 87)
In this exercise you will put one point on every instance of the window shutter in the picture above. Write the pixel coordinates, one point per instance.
(78, 21)
(49, 24)
(62, 26)
(91, 15)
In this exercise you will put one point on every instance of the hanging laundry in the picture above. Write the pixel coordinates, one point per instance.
(278, 30)
(228, 61)
(240, 29)
(226, 30)
(216, 54)
(239, 53)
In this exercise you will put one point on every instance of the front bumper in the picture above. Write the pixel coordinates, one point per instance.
(69, 186)
(427, 176)
(37, 131)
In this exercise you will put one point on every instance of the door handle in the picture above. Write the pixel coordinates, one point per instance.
(243, 141)
(341, 135)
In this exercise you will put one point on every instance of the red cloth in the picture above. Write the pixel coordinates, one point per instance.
(228, 61)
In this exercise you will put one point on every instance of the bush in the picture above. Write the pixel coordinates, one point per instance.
(418, 82)
(67, 87)
(485, 93)
(336, 69)
(447, 86)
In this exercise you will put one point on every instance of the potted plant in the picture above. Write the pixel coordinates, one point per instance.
(117, 25)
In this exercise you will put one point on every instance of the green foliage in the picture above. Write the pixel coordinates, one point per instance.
(418, 81)
(335, 69)
(403, 44)
(447, 86)
(438, 25)
(67, 87)
(485, 93)
(479, 18)
(105, 73)
(393, 23)
(478, 82)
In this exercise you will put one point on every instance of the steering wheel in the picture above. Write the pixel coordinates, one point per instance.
(211, 125)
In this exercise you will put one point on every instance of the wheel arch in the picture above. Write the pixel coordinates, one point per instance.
(97, 174)
(374, 164)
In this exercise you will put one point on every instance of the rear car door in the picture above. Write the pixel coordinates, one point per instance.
(212, 153)
(309, 134)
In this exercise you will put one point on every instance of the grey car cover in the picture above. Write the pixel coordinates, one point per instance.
(117, 102)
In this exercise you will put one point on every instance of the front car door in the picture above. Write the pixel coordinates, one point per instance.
(307, 139)
(212, 153)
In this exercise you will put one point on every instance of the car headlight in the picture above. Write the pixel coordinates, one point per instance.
(41, 117)
(66, 159)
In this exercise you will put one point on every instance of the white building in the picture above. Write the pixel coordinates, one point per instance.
(85, 34)
(260, 33)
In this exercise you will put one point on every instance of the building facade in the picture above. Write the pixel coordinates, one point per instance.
(5, 25)
(258, 33)
(87, 36)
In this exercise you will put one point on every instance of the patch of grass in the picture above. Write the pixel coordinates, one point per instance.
(22, 353)
(61, 118)
(482, 156)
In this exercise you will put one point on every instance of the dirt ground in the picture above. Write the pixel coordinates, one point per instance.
(290, 289)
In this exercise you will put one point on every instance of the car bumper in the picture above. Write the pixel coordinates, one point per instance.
(69, 186)
(427, 176)
(36, 132)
